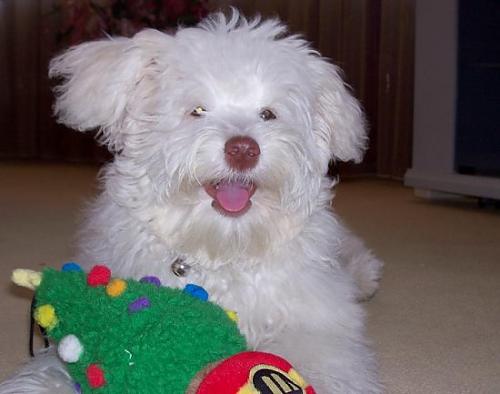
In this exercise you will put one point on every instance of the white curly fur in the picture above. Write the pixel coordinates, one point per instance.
(287, 265)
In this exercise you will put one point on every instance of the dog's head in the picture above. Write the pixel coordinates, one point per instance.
(222, 133)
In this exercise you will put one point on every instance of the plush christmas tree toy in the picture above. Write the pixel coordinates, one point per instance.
(127, 336)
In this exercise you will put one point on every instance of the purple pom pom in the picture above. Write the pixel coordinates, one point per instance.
(152, 280)
(139, 304)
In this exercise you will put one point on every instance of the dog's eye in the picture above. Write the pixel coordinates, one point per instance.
(267, 114)
(198, 111)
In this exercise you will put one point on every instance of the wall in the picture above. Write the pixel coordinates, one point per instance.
(372, 40)
(28, 31)
(435, 107)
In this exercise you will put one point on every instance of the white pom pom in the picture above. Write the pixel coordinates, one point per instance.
(70, 349)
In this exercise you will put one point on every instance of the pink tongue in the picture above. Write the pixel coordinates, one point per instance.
(233, 197)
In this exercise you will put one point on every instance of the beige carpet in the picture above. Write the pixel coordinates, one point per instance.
(435, 323)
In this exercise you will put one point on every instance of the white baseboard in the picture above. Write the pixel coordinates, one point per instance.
(467, 185)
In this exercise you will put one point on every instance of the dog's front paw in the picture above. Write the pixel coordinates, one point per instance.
(367, 272)
(363, 266)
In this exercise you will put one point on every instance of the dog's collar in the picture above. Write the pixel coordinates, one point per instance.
(179, 267)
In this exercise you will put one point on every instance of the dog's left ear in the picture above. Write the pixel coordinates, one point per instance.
(339, 122)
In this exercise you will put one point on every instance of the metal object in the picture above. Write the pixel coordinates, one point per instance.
(180, 268)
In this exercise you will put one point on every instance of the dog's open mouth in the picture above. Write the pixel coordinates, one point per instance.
(231, 198)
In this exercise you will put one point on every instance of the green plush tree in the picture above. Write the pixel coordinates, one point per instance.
(126, 336)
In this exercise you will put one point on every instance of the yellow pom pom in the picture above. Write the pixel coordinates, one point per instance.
(116, 287)
(232, 315)
(45, 315)
(26, 278)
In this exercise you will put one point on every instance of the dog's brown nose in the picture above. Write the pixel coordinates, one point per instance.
(242, 153)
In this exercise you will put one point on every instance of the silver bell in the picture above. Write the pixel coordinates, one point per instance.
(180, 268)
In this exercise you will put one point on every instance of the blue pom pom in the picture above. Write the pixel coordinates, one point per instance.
(71, 267)
(196, 291)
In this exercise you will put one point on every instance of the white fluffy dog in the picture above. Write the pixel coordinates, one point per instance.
(222, 136)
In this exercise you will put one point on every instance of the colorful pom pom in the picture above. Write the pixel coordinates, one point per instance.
(27, 278)
(139, 304)
(196, 291)
(152, 280)
(45, 315)
(71, 267)
(95, 376)
(232, 315)
(70, 349)
(116, 287)
(99, 275)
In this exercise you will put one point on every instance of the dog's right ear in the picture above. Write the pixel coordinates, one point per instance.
(97, 80)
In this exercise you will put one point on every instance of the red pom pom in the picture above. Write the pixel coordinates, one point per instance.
(99, 275)
(95, 376)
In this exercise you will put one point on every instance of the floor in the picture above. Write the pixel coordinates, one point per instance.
(435, 323)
